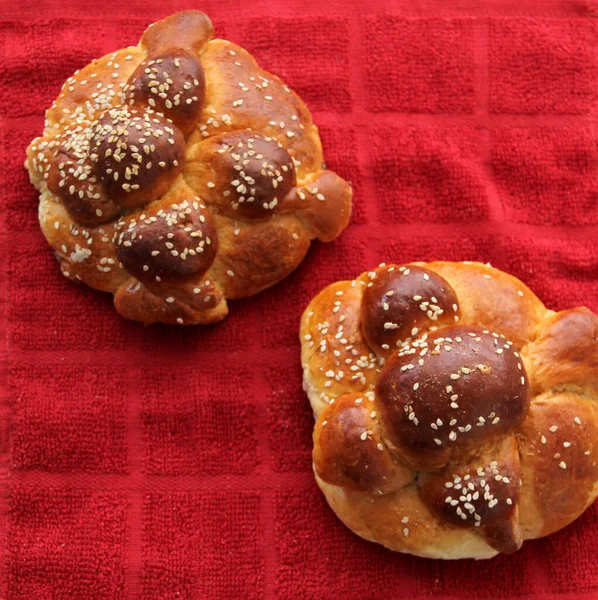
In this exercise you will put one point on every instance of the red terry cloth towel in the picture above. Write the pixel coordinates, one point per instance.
(174, 463)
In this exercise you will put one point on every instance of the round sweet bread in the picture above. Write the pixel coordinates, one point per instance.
(177, 174)
(456, 416)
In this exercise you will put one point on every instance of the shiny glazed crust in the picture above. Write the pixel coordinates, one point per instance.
(456, 416)
(177, 174)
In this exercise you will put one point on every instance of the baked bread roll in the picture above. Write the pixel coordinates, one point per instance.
(456, 416)
(177, 174)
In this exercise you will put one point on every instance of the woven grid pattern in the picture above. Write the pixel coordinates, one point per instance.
(175, 463)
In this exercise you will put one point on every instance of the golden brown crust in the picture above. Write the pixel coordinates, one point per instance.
(401, 521)
(89, 92)
(135, 301)
(253, 257)
(504, 447)
(564, 354)
(182, 112)
(335, 357)
(482, 492)
(190, 30)
(236, 102)
(84, 253)
(323, 202)
(558, 446)
(478, 286)
(241, 174)
(349, 450)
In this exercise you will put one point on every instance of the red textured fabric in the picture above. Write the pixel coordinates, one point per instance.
(164, 463)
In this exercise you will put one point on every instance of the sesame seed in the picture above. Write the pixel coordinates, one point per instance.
(563, 464)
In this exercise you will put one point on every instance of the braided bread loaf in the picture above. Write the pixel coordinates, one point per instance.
(177, 174)
(456, 416)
